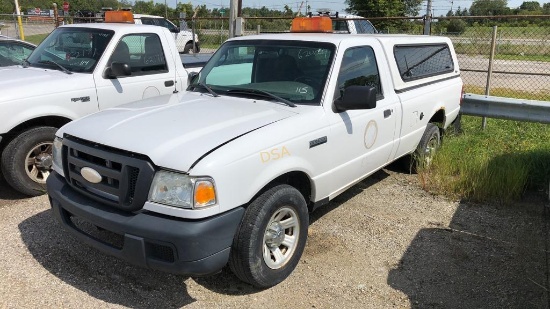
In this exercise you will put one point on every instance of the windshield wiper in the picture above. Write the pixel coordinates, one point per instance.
(262, 93)
(204, 86)
(57, 64)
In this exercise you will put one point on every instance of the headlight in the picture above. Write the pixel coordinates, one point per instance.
(57, 157)
(180, 190)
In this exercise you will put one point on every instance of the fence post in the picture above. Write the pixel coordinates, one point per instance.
(193, 27)
(258, 30)
(490, 72)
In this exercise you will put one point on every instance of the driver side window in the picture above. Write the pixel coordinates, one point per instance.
(358, 68)
(142, 52)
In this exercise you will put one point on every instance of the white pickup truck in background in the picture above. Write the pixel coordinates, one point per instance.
(272, 127)
(183, 37)
(352, 24)
(77, 70)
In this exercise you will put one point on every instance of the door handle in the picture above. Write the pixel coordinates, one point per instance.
(169, 83)
(387, 113)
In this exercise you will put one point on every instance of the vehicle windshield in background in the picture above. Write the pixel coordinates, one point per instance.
(75, 49)
(13, 52)
(294, 71)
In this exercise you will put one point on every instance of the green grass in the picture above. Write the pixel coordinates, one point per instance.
(478, 46)
(510, 93)
(499, 163)
(504, 32)
(36, 38)
(544, 58)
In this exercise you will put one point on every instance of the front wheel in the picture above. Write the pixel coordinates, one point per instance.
(27, 160)
(271, 238)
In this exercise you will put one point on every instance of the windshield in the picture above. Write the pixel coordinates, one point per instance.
(166, 24)
(295, 71)
(13, 52)
(75, 49)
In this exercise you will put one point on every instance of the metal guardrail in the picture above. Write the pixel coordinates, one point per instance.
(505, 108)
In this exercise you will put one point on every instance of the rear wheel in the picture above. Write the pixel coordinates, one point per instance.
(429, 143)
(271, 238)
(27, 160)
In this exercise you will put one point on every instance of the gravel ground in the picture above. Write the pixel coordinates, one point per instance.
(385, 243)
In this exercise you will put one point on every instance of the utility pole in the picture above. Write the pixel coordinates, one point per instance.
(233, 6)
(428, 18)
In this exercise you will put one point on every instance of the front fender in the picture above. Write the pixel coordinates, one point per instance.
(17, 112)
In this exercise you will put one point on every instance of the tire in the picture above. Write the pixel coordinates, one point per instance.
(27, 160)
(189, 47)
(425, 152)
(262, 253)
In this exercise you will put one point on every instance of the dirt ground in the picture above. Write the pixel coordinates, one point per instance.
(385, 243)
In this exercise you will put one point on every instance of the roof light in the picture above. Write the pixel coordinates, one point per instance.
(119, 17)
(311, 24)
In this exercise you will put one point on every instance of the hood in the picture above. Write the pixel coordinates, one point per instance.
(174, 131)
(17, 82)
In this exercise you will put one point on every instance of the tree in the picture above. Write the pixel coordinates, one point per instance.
(186, 8)
(7, 7)
(489, 7)
(144, 7)
(456, 26)
(288, 11)
(546, 9)
(383, 8)
(530, 6)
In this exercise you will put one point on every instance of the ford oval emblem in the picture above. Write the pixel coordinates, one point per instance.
(90, 175)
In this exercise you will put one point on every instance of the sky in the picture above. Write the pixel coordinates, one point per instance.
(440, 7)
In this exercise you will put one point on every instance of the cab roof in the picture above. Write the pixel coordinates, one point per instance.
(337, 38)
(117, 27)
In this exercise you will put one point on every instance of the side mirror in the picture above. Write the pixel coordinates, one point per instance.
(175, 30)
(118, 69)
(356, 97)
(191, 76)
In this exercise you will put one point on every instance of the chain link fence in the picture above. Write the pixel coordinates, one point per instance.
(32, 26)
(521, 61)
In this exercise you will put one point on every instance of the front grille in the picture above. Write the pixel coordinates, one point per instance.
(125, 177)
(133, 173)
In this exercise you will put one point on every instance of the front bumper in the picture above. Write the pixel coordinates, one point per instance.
(174, 245)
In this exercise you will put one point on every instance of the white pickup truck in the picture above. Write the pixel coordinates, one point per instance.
(272, 127)
(75, 71)
(183, 37)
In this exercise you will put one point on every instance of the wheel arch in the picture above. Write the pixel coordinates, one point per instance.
(297, 179)
(51, 121)
(438, 119)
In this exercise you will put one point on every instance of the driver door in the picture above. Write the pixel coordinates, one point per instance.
(362, 139)
(151, 74)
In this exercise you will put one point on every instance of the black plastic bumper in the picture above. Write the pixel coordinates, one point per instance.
(190, 247)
